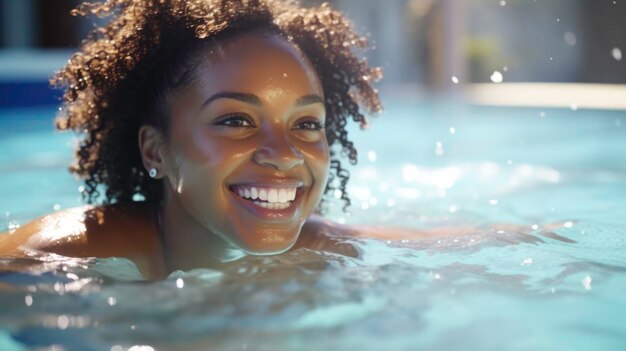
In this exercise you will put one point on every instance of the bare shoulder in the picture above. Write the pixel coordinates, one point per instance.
(319, 233)
(88, 231)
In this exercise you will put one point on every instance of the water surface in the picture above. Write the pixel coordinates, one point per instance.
(421, 166)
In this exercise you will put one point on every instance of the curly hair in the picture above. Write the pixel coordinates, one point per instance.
(123, 72)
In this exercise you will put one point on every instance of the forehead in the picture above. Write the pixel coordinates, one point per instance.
(257, 63)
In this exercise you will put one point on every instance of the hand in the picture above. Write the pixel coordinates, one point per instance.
(531, 234)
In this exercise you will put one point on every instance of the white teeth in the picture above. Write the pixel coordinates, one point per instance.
(282, 195)
(272, 195)
(292, 194)
(272, 205)
(268, 195)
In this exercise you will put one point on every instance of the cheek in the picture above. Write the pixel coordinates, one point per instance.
(200, 163)
(318, 160)
(203, 148)
(217, 154)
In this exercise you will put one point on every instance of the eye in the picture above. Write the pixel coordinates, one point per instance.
(309, 125)
(235, 121)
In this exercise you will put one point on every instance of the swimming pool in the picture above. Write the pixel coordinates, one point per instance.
(421, 165)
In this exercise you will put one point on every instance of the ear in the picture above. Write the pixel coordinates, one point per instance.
(151, 146)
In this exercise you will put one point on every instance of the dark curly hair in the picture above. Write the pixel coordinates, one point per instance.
(123, 72)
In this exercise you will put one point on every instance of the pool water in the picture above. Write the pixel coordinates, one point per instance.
(421, 166)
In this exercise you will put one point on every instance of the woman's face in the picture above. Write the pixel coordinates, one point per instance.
(247, 156)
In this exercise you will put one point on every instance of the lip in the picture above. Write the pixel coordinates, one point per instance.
(271, 183)
(267, 214)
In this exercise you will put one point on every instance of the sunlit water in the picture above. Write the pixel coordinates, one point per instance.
(421, 167)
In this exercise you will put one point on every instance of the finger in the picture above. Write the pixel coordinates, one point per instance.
(555, 236)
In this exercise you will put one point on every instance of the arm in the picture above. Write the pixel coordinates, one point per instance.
(321, 232)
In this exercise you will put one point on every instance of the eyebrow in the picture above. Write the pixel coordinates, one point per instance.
(255, 100)
(309, 100)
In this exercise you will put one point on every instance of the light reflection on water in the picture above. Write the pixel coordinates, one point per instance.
(415, 291)
(492, 288)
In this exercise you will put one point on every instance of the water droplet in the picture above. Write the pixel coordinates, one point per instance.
(618, 122)
(587, 282)
(617, 54)
(502, 3)
(569, 38)
(526, 262)
(496, 77)
(493, 202)
(568, 224)
(542, 114)
(455, 80)
(452, 209)
(63, 322)
(28, 300)
(439, 151)
(13, 226)
(180, 283)
(573, 106)
(371, 156)
(111, 301)
(56, 207)
(452, 130)
(534, 227)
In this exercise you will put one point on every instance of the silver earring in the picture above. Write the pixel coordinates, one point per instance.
(153, 172)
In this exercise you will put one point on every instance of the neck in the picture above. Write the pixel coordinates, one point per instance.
(187, 244)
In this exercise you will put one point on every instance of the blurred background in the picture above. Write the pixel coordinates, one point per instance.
(425, 46)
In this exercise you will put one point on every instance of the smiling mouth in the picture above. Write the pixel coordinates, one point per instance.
(270, 198)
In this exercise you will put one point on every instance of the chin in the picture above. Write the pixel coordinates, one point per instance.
(266, 252)
(265, 245)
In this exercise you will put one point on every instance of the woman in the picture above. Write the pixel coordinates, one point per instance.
(220, 115)
(214, 128)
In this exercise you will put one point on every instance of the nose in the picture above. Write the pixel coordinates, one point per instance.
(277, 152)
